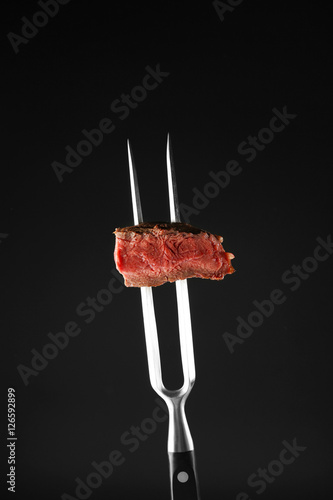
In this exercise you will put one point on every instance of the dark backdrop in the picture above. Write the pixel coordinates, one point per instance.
(225, 71)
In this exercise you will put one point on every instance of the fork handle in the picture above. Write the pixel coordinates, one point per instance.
(183, 476)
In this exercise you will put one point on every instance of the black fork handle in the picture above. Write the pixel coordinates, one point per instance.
(183, 476)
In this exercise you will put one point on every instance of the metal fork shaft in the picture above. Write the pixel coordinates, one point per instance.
(179, 435)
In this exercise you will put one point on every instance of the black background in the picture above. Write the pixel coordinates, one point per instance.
(225, 77)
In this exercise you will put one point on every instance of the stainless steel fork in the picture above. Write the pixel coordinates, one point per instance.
(183, 473)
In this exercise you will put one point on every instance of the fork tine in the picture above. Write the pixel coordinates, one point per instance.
(136, 202)
(151, 336)
(185, 334)
(152, 344)
(183, 302)
(172, 185)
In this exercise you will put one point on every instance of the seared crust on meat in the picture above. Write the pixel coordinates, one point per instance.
(144, 227)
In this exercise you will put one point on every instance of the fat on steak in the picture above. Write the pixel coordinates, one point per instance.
(153, 253)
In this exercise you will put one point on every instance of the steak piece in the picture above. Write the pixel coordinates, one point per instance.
(152, 253)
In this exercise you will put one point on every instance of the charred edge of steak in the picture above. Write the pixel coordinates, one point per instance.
(180, 227)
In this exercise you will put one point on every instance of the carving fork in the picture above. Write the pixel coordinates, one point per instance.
(183, 474)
